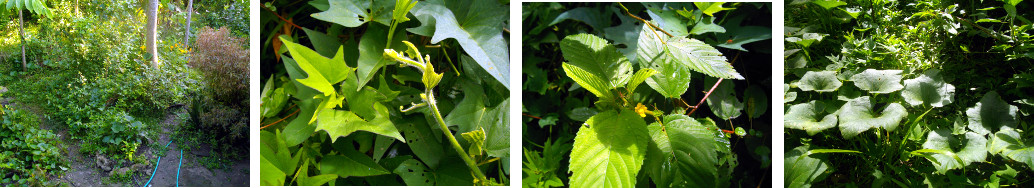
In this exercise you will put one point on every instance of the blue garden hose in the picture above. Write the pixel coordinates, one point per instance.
(159, 163)
(178, 169)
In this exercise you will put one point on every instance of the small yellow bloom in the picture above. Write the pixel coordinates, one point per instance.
(641, 109)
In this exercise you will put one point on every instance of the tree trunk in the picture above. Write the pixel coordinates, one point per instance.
(21, 29)
(152, 31)
(186, 35)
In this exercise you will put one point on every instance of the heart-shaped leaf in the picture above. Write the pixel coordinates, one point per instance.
(878, 81)
(801, 170)
(858, 115)
(1007, 142)
(929, 89)
(991, 114)
(810, 117)
(973, 149)
(821, 81)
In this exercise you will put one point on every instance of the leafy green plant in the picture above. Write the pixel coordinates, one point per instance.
(394, 98)
(898, 81)
(28, 152)
(628, 134)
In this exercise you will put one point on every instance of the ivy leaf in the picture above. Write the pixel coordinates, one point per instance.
(688, 144)
(371, 51)
(878, 81)
(415, 173)
(809, 117)
(352, 163)
(1008, 143)
(477, 26)
(991, 114)
(299, 129)
(858, 115)
(626, 34)
(322, 72)
(974, 149)
(821, 81)
(723, 101)
(802, 170)
(352, 13)
(673, 78)
(608, 150)
(668, 19)
(929, 89)
(340, 123)
(594, 64)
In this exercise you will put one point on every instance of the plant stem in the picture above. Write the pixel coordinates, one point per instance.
(705, 96)
(455, 145)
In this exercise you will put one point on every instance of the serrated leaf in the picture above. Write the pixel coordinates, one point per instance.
(639, 77)
(723, 101)
(929, 89)
(1009, 143)
(351, 163)
(477, 27)
(609, 150)
(858, 115)
(689, 145)
(415, 173)
(702, 58)
(821, 81)
(878, 81)
(991, 114)
(802, 170)
(673, 78)
(973, 149)
(353, 13)
(595, 64)
(810, 117)
(340, 123)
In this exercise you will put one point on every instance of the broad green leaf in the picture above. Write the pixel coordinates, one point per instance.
(455, 173)
(801, 170)
(271, 175)
(322, 72)
(821, 81)
(593, 16)
(324, 44)
(305, 180)
(476, 26)
(972, 148)
(702, 58)
(415, 173)
(421, 139)
(710, 8)
(810, 117)
(351, 163)
(755, 100)
(299, 129)
(807, 39)
(828, 4)
(371, 51)
(609, 150)
(788, 96)
(1009, 143)
(706, 25)
(673, 78)
(858, 115)
(595, 64)
(723, 101)
(991, 114)
(340, 123)
(34, 6)
(878, 81)
(472, 113)
(929, 89)
(352, 13)
(639, 77)
(581, 113)
(626, 34)
(668, 19)
(685, 146)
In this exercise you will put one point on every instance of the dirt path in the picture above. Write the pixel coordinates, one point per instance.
(84, 171)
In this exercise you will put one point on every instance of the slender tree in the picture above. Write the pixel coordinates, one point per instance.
(186, 34)
(35, 6)
(152, 31)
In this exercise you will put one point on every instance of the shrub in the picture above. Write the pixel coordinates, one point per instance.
(25, 150)
(223, 61)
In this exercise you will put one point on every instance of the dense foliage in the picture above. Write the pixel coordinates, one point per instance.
(608, 94)
(908, 93)
(20, 137)
(384, 93)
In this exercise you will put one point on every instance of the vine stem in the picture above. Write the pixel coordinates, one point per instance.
(644, 21)
(712, 88)
(455, 145)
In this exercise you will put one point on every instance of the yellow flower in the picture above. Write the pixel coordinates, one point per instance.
(639, 108)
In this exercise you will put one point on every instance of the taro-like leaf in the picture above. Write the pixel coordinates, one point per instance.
(685, 145)
(878, 81)
(609, 150)
(929, 89)
(340, 123)
(821, 81)
(672, 78)
(810, 117)
(723, 101)
(594, 64)
(991, 114)
(788, 96)
(476, 25)
(352, 13)
(801, 170)
(972, 148)
(858, 115)
(1007, 142)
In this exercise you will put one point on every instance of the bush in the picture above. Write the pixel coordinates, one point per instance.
(223, 61)
(25, 150)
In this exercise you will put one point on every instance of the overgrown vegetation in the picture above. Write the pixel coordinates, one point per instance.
(614, 94)
(87, 71)
(385, 93)
(908, 93)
